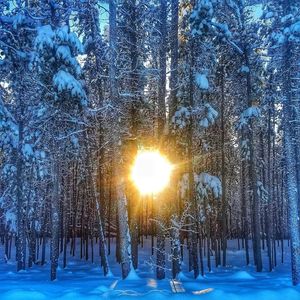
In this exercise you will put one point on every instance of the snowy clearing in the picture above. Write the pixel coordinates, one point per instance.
(84, 280)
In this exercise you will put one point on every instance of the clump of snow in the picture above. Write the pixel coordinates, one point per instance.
(27, 151)
(202, 81)
(18, 20)
(11, 219)
(201, 16)
(278, 38)
(210, 116)
(269, 15)
(74, 141)
(44, 38)
(181, 118)
(295, 28)
(182, 277)
(8, 169)
(244, 69)
(66, 71)
(109, 274)
(249, 113)
(63, 52)
(262, 192)
(73, 39)
(286, 18)
(242, 275)
(245, 150)
(206, 183)
(201, 278)
(62, 33)
(132, 275)
(183, 185)
(64, 81)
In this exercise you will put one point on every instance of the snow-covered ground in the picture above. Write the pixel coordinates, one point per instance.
(84, 280)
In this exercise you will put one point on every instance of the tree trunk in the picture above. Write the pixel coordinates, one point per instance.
(290, 170)
(54, 251)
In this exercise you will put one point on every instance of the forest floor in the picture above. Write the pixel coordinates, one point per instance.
(84, 280)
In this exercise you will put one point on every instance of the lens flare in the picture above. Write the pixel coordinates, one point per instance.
(151, 172)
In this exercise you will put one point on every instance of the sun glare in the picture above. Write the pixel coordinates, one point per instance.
(151, 172)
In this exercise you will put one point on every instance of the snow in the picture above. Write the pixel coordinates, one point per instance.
(73, 39)
(206, 183)
(44, 38)
(27, 150)
(202, 81)
(132, 275)
(244, 69)
(249, 113)
(242, 275)
(269, 15)
(65, 46)
(181, 118)
(295, 28)
(64, 81)
(21, 294)
(84, 280)
(287, 18)
(278, 38)
(18, 20)
(75, 141)
(62, 33)
(64, 52)
(210, 116)
(10, 218)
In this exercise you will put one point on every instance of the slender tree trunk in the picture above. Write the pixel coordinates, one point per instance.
(253, 179)
(160, 260)
(223, 170)
(125, 240)
(21, 236)
(54, 247)
(290, 171)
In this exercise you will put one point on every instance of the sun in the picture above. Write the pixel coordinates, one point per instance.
(151, 172)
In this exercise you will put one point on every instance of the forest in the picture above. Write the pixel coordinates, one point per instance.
(149, 148)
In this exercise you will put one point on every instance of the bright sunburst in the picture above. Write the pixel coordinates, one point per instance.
(151, 172)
